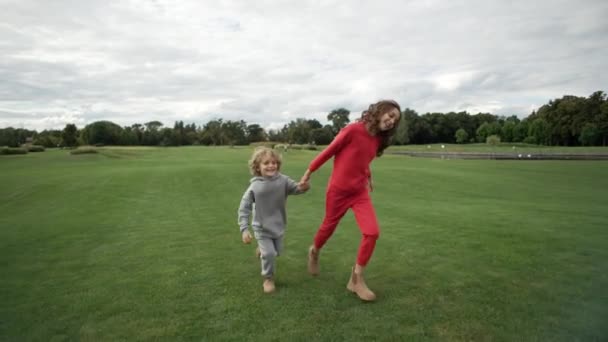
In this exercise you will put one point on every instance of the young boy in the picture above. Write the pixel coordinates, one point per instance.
(268, 189)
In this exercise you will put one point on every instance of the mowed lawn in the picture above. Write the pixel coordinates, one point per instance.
(142, 244)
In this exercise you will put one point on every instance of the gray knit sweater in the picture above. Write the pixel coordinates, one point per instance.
(266, 197)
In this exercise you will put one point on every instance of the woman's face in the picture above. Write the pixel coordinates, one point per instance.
(389, 119)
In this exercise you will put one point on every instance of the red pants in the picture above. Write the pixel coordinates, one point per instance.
(336, 205)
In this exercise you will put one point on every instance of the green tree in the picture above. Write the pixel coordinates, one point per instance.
(211, 133)
(402, 133)
(508, 131)
(520, 131)
(422, 132)
(151, 136)
(48, 138)
(321, 136)
(102, 132)
(178, 135)
(138, 129)
(69, 135)
(539, 132)
(602, 122)
(234, 132)
(169, 137)
(255, 133)
(278, 134)
(461, 136)
(153, 125)
(339, 119)
(129, 136)
(298, 131)
(8, 137)
(493, 140)
(590, 135)
(483, 131)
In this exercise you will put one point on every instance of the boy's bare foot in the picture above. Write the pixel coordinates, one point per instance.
(268, 285)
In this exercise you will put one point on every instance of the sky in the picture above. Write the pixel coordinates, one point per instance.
(272, 61)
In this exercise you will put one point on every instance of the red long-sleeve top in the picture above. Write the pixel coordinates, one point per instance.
(353, 150)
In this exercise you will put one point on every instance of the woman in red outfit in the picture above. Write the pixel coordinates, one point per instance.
(353, 149)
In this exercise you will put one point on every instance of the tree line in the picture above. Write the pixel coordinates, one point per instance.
(567, 121)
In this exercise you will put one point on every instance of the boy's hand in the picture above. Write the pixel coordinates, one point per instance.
(246, 237)
(303, 186)
(370, 185)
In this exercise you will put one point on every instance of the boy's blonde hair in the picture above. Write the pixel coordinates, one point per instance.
(258, 155)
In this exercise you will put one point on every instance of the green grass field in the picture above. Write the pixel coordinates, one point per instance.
(142, 244)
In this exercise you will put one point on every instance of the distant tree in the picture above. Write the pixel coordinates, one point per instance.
(278, 134)
(234, 132)
(442, 129)
(151, 136)
(298, 131)
(179, 134)
(590, 135)
(339, 119)
(8, 137)
(483, 131)
(69, 135)
(314, 124)
(520, 131)
(48, 138)
(138, 129)
(102, 132)
(255, 133)
(493, 140)
(153, 125)
(129, 136)
(461, 136)
(539, 132)
(211, 133)
(169, 137)
(402, 133)
(422, 132)
(507, 132)
(321, 136)
(602, 122)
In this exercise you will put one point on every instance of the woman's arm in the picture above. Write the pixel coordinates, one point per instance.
(334, 147)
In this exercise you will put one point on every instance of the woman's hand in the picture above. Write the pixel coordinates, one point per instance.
(306, 177)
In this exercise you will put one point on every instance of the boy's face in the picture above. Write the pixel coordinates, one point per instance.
(389, 119)
(268, 166)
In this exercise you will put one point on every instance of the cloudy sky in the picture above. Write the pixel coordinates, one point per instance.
(271, 61)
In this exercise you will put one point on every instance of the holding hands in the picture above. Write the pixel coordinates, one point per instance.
(305, 180)
(303, 186)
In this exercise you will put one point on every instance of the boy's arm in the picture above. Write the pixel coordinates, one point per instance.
(294, 188)
(244, 211)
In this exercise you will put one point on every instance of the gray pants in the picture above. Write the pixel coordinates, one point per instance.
(269, 249)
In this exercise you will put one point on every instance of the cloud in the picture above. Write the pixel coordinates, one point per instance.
(270, 62)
